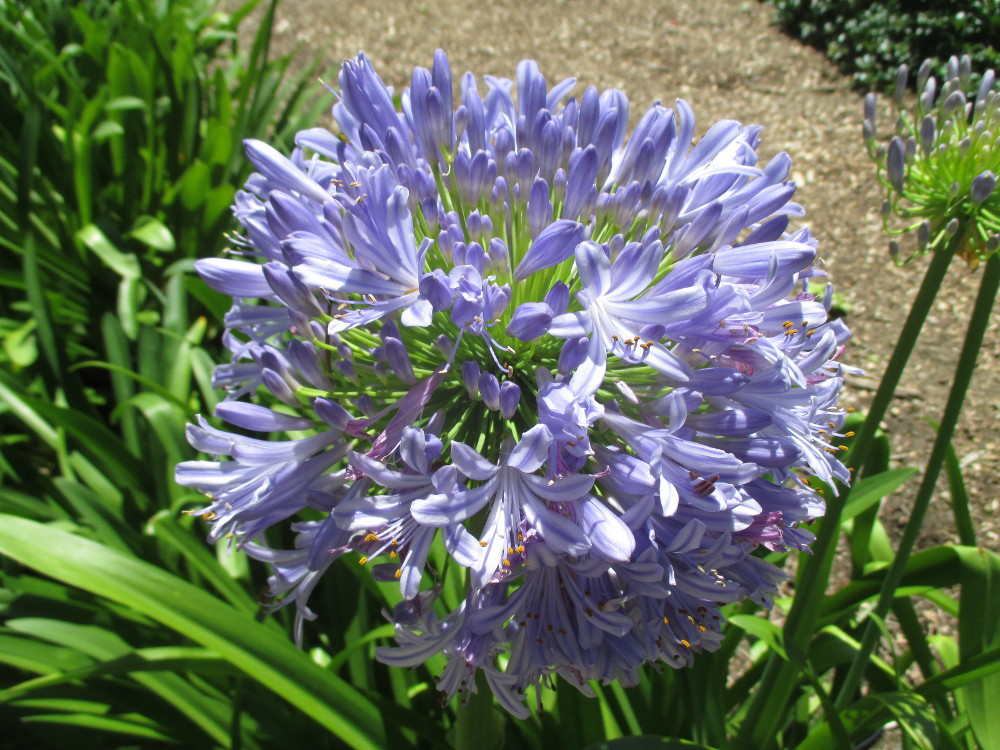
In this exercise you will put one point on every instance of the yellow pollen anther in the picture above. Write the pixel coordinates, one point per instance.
(788, 324)
(483, 544)
(371, 537)
(362, 561)
(666, 620)
(506, 563)
(685, 643)
(210, 516)
(399, 574)
(849, 434)
(393, 554)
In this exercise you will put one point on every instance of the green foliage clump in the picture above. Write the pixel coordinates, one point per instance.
(120, 145)
(870, 39)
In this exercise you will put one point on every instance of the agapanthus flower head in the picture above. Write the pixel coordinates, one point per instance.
(940, 167)
(587, 367)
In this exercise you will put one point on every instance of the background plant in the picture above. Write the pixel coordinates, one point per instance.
(119, 120)
(869, 40)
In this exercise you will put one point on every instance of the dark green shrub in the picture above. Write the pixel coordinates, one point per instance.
(871, 39)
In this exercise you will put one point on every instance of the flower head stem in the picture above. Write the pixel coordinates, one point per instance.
(978, 322)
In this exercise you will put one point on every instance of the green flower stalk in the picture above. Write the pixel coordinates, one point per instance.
(940, 168)
(949, 184)
(939, 171)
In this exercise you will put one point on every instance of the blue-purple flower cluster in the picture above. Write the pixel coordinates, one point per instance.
(590, 371)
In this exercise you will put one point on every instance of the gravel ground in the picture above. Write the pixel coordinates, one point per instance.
(727, 60)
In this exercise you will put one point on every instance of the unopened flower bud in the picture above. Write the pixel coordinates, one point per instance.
(923, 235)
(928, 130)
(985, 87)
(489, 387)
(982, 187)
(902, 76)
(953, 68)
(894, 163)
(928, 94)
(923, 73)
(955, 100)
(951, 228)
(510, 397)
(870, 109)
(470, 377)
(964, 70)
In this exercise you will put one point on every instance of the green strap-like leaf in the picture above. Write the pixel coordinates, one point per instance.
(979, 631)
(211, 715)
(262, 655)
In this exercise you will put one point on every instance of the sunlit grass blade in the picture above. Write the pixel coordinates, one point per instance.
(274, 663)
(648, 743)
(979, 631)
(211, 716)
(166, 527)
(133, 725)
(154, 659)
(959, 499)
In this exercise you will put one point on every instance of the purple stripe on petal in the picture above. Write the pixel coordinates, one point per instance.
(280, 170)
(532, 450)
(441, 510)
(470, 463)
(236, 278)
(552, 246)
(259, 418)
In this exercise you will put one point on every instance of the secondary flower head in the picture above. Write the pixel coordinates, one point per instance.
(940, 168)
(588, 367)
